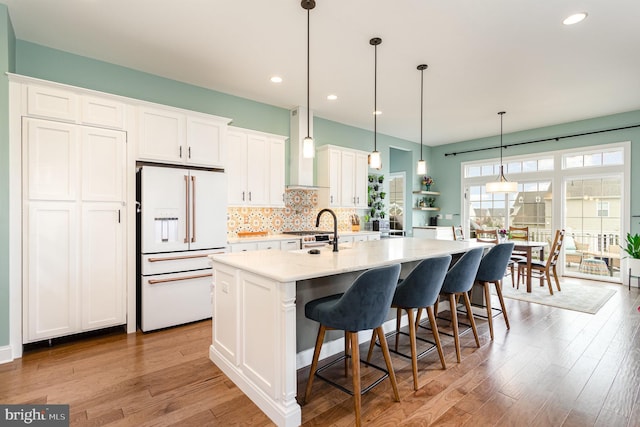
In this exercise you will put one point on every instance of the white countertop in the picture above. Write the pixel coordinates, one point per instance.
(274, 237)
(288, 266)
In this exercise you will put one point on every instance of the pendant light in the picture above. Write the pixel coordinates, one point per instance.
(308, 149)
(501, 185)
(422, 165)
(375, 161)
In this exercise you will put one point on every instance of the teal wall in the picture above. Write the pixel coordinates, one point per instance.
(7, 64)
(446, 169)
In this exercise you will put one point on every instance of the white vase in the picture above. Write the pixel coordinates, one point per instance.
(634, 265)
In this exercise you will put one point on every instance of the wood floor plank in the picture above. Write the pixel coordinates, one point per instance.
(554, 367)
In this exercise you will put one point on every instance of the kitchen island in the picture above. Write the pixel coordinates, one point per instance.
(260, 335)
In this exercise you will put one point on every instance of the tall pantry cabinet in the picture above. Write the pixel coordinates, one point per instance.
(74, 220)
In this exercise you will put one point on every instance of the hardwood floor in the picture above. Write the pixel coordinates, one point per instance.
(553, 368)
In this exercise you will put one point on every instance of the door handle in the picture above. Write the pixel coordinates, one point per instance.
(193, 206)
(195, 276)
(186, 209)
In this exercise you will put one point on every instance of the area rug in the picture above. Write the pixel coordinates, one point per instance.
(582, 297)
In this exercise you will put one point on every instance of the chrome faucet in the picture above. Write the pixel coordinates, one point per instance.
(335, 226)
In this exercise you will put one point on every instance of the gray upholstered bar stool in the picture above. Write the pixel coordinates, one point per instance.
(420, 289)
(458, 282)
(363, 306)
(491, 270)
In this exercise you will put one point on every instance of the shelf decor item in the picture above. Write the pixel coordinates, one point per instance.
(427, 182)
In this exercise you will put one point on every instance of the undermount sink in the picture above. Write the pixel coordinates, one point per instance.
(323, 249)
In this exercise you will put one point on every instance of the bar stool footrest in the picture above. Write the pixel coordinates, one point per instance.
(341, 387)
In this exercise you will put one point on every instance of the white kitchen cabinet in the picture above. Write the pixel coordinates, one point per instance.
(68, 106)
(255, 168)
(269, 245)
(290, 245)
(171, 136)
(102, 112)
(103, 286)
(244, 247)
(52, 103)
(342, 173)
(75, 253)
(433, 232)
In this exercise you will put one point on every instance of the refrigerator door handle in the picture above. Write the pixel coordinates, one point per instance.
(193, 208)
(186, 209)
(176, 279)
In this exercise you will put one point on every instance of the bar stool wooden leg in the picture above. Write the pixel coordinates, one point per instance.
(454, 323)
(467, 304)
(500, 297)
(355, 371)
(347, 344)
(436, 335)
(387, 359)
(372, 344)
(487, 302)
(414, 355)
(314, 362)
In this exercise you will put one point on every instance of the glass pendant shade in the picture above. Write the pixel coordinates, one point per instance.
(375, 161)
(422, 167)
(501, 185)
(308, 148)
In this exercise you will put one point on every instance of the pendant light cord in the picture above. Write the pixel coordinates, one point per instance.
(308, 68)
(375, 95)
(421, 105)
(501, 113)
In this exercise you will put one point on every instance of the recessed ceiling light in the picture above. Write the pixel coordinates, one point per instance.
(332, 97)
(276, 79)
(575, 18)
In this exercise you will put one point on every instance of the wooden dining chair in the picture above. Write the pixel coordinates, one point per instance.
(487, 236)
(542, 269)
(458, 234)
(518, 234)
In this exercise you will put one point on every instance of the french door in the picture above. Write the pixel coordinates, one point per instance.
(593, 222)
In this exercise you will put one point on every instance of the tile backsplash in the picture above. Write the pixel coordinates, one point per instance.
(299, 214)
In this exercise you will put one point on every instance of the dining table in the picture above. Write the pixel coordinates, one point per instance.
(528, 247)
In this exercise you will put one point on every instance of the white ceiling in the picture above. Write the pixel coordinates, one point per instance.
(483, 55)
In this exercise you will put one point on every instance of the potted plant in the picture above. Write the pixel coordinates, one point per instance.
(380, 179)
(632, 249)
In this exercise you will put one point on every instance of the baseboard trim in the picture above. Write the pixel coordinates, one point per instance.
(6, 354)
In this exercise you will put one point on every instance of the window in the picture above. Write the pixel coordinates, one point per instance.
(602, 208)
(594, 158)
(512, 167)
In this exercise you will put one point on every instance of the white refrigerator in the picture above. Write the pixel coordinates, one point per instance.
(182, 219)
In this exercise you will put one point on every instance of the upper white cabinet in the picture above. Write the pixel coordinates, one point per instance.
(68, 106)
(171, 136)
(343, 173)
(255, 168)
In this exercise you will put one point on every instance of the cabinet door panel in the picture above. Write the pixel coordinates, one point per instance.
(51, 159)
(257, 178)
(103, 265)
(161, 136)
(276, 172)
(102, 112)
(347, 183)
(335, 167)
(360, 180)
(236, 168)
(103, 165)
(205, 142)
(51, 270)
(53, 103)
